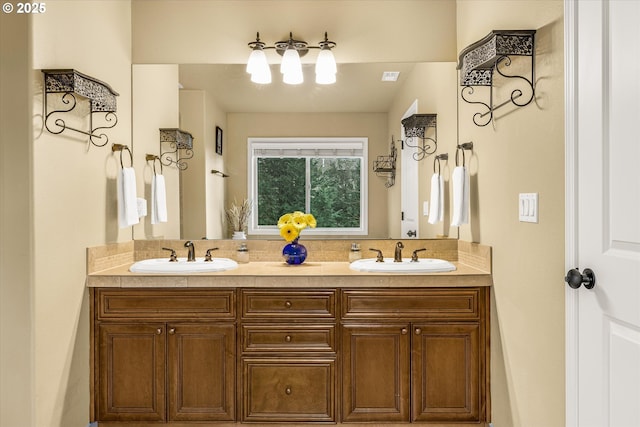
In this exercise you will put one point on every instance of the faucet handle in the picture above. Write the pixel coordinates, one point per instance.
(379, 257)
(207, 256)
(173, 257)
(414, 255)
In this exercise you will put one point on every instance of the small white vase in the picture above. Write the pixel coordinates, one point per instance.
(239, 235)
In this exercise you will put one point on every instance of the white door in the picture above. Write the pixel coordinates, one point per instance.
(603, 212)
(408, 184)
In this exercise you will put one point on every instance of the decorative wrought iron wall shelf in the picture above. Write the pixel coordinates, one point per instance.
(71, 83)
(180, 149)
(386, 165)
(481, 61)
(415, 129)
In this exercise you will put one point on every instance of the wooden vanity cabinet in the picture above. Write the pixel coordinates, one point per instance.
(415, 355)
(164, 355)
(288, 355)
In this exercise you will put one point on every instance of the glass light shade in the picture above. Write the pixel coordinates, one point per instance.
(325, 79)
(257, 60)
(262, 76)
(326, 63)
(293, 78)
(291, 62)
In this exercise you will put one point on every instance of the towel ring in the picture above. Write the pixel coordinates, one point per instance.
(121, 148)
(462, 147)
(153, 158)
(437, 159)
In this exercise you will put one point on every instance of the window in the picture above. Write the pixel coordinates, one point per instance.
(324, 176)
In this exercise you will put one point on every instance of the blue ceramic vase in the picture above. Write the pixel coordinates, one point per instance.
(294, 253)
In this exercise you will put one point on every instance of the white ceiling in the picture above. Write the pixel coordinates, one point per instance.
(209, 39)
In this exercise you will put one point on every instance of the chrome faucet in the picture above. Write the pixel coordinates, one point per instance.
(397, 256)
(192, 251)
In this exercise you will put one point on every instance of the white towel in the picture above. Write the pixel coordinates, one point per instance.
(460, 182)
(142, 207)
(127, 200)
(436, 213)
(158, 199)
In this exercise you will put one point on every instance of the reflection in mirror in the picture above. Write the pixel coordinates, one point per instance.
(360, 104)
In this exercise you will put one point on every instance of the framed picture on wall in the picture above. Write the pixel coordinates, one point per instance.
(218, 140)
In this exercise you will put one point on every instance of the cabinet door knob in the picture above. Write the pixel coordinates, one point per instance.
(287, 304)
(172, 331)
(287, 338)
(159, 331)
(404, 331)
(288, 390)
(418, 331)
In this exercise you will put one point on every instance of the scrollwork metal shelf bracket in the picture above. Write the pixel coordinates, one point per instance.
(386, 165)
(416, 129)
(180, 149)
(479, 63)
(71, 84)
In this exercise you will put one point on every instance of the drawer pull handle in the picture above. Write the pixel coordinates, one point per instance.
(287, 338)
(288, 390)
(287, 304)
(172, 331)
(418, 331)
(159, 331)
(403, 331)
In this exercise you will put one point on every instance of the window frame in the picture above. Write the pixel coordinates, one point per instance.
(308, 143)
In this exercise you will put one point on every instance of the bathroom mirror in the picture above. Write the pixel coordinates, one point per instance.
(372, 36)
(359, 104)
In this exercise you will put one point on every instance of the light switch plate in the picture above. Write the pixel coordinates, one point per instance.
(425, 208)
(528, 207)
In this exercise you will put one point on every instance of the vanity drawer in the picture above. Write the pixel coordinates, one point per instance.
(165, 304)
(288, 338)
(288, 304)
(289, 390)
(463, 303)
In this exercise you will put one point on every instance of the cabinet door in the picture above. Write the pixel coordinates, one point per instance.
(201, 372)
(300, 389)
(131, 372)
(446, 369)
(376, 367)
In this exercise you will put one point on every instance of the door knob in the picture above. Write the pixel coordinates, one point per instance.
(574, 278)
(412, 233)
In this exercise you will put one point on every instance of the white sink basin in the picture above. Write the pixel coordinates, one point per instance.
(426, 265)
(162, 265)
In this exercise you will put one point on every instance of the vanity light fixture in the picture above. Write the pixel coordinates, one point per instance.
(416, 129)
(180, 147)
(291, 67)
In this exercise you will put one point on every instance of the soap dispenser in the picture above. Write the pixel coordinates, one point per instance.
(354, 253)
(242, 254)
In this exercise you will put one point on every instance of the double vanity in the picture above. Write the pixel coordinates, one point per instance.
(265, 342)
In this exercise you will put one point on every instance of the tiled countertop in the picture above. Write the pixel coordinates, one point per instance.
(109, 267)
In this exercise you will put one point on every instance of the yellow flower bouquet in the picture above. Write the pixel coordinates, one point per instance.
(291, 224)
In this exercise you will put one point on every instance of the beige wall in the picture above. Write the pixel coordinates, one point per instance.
(372, 126)
(202, 193)
(155, 106)
(16, 226)
(523, 151)
(74, 199)
(433, 85)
